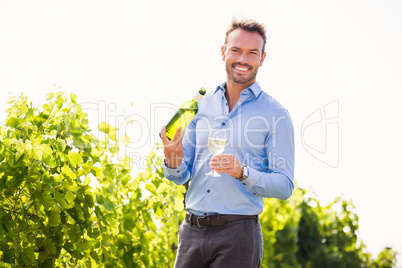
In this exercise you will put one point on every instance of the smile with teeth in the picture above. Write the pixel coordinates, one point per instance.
(241, 68)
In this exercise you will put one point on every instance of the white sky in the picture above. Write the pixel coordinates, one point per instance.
(341, 58)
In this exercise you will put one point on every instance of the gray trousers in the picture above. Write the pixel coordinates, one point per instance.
(237, 244)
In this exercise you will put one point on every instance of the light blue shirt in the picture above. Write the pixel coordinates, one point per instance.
(259, 133)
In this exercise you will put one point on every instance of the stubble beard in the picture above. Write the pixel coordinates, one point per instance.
(240, 79)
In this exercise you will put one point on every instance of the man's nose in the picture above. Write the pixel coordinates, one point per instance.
(242, 57)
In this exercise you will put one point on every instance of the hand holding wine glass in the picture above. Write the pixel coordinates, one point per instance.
(216, 145)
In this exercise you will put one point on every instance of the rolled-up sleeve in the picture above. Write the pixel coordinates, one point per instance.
(278, 181)
(176, 174)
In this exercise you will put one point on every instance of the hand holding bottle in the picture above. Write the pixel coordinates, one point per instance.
(173, 150)
(184, 115)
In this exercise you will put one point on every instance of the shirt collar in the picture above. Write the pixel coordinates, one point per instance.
(254, 88)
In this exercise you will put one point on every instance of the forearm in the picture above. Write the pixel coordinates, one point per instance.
(270, 185)
(278, 180)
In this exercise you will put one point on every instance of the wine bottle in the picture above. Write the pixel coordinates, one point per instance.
(184, 115)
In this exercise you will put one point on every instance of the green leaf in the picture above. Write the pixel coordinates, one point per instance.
(162, 188)
(50, 96)
(60, 145)
(46, 199)
(78, 111)
(61, 201)
(37, 151)
(152, 188)
(74, 158)
(96, 172)
(106, 240)
(51, 246)
(96, 152)
(109, 205)
(89, 200)
(13, 183)
(13, 121)
(53, 133)
(8, 253)
(59, 101)
(27, 256)
(126, 140)
(24, 237)
(93, 233)
(54, 219)
(69, 197)
(124, 238)
(73, 233)
(70, 185)
(46, 149)
(68, 246)
(49, 160)
(125, 162)
(84, 246)
(108, 129)
(73, 98)
(128, 222)
(47, 108)
(178, 204)
(11, 99)
(66, 170)
(23, 109)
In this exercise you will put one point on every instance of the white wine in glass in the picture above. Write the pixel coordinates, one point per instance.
(216, 145)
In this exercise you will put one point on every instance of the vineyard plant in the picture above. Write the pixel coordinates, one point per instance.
(69, 199)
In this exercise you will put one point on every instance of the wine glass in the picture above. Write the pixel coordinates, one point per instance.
(216, 145)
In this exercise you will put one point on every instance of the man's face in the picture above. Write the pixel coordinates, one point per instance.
(243, 56)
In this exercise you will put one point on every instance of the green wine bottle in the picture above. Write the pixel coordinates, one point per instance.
(184, 115)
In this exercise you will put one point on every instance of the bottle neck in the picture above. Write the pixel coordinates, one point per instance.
(197, 97)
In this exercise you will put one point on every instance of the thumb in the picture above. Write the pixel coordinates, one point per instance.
(164, 138)
(178, 136)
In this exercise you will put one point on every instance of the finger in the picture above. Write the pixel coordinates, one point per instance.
(165, 140)
(223, 159)
(219, 157)
(222, 170)
(182, 135)
(176, 138)
(224, 163)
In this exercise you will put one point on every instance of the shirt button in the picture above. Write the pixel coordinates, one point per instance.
(223, 124)
(208, 191)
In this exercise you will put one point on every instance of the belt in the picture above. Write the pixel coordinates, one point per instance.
(216, 220)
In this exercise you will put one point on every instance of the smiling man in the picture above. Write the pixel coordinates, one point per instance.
(243, 53)
(221, 228)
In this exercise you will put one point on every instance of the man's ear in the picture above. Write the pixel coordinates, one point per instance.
(223, 53)
(263, 58)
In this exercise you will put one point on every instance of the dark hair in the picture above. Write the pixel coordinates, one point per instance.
(247, 25)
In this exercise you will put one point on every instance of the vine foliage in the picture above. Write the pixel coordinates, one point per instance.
(68, 199)
(52, 214)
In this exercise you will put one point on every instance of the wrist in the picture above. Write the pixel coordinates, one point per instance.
(241, 174)
(171, 165)
(244, 173)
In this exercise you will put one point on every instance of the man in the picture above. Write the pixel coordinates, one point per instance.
(221, 228)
